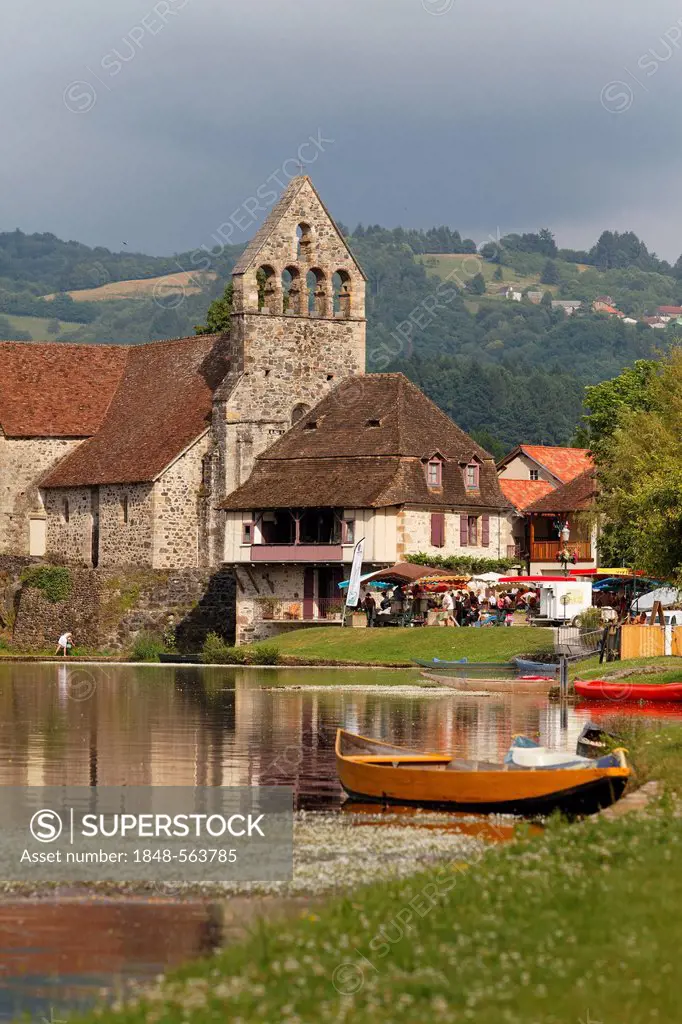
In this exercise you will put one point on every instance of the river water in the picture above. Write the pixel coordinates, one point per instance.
(161, 725)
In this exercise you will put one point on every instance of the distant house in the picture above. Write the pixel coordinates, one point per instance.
(600, 306)
(657, 322)
(529, 475)
(535, 297)
(509, 292)
(569, 306)
(629, 320)
(669, 311)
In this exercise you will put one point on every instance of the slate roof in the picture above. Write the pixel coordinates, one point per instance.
(365, 445)
(55, 389)
(575, 496)
(563, 463)
(163, 404)
(522, 493)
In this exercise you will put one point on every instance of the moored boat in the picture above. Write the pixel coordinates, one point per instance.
(594, 741)
(602, 689)
(536, 668)
(372, 770)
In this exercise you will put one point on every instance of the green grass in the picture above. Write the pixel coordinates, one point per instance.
(397, 646)
(580, 924)
(668, 670)
(37, 326)
(442, 265)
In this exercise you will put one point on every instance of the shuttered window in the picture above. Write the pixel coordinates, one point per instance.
(463, 531)
(485, 531)
(473, 531)
(437, 529)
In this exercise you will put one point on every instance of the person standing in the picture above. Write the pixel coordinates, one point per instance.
(448, 606)
(369, 605)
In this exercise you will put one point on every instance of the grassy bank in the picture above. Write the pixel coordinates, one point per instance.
(635, 670)
(396, 646)
(575, 926)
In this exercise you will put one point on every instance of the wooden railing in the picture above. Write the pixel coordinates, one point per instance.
(547, 550)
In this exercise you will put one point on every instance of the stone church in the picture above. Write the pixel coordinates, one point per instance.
(268, 449)
(118, 455)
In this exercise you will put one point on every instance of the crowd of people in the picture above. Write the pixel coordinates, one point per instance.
(415, 605)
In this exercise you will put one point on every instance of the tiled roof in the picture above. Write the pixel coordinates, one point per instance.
(162, 405)
(365, 445)
(55, 389)
(522, 493)
(563, 463)
(669, 310)
(575, 496)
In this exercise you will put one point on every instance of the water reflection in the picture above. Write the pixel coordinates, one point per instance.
(165, 725)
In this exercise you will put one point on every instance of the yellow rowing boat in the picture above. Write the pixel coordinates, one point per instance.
(372, 770)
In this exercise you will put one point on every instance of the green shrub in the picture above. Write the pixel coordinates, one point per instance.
(216, 652)
(466, 564)
(266, 654)
(147, 647)
(53, 580)
(589, 620)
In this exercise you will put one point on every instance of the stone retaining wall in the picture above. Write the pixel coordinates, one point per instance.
(108, 608)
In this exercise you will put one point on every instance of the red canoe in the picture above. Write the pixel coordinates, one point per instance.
(600, 689)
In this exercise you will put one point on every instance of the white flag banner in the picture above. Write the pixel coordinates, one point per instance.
(355, 573)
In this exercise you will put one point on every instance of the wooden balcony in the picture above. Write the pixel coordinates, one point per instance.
(296, 553)
(547, 550)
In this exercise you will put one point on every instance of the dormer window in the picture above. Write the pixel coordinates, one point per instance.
(471, 475)
(373, 423)
(434, 473)
(310, 425)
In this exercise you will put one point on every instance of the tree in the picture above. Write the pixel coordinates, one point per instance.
(476, 286)
(498, 274)
(218, 315)
(550, 273)
(53, 326)
(640, 474)
(606, 403)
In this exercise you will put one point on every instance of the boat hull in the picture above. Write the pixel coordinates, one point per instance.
(600, 689)
(389, 775)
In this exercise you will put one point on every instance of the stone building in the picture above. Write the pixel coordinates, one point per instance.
(374, 459)
(266, 449)
(117, 455)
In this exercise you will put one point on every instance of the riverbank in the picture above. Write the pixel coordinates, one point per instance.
(398, 646)
(565, 926)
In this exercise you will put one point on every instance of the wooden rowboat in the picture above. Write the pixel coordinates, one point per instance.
(601, 689)
(372, 770)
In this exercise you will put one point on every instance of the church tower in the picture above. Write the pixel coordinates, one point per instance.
(298, 328)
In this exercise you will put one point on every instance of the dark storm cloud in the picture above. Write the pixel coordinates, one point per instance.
(153, 121)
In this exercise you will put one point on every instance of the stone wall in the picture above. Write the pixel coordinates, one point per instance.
(178, 510)
(414, 534)
(255, 586)
(23, 461)
(124, 542)
(109, 608)
(11, 568)
(69, 524)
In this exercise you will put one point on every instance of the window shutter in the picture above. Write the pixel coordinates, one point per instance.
(485, 531)
(437, 529)
(463, 530)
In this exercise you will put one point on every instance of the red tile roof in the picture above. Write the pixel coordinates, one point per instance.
(575, 496)
(163, 403)
(669, 310)
(522, 493)
(563, 463)
(55, 389)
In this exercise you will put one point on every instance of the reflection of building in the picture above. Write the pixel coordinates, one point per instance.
(549, 486)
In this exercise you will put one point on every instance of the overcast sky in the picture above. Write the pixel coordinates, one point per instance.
(120, 122)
